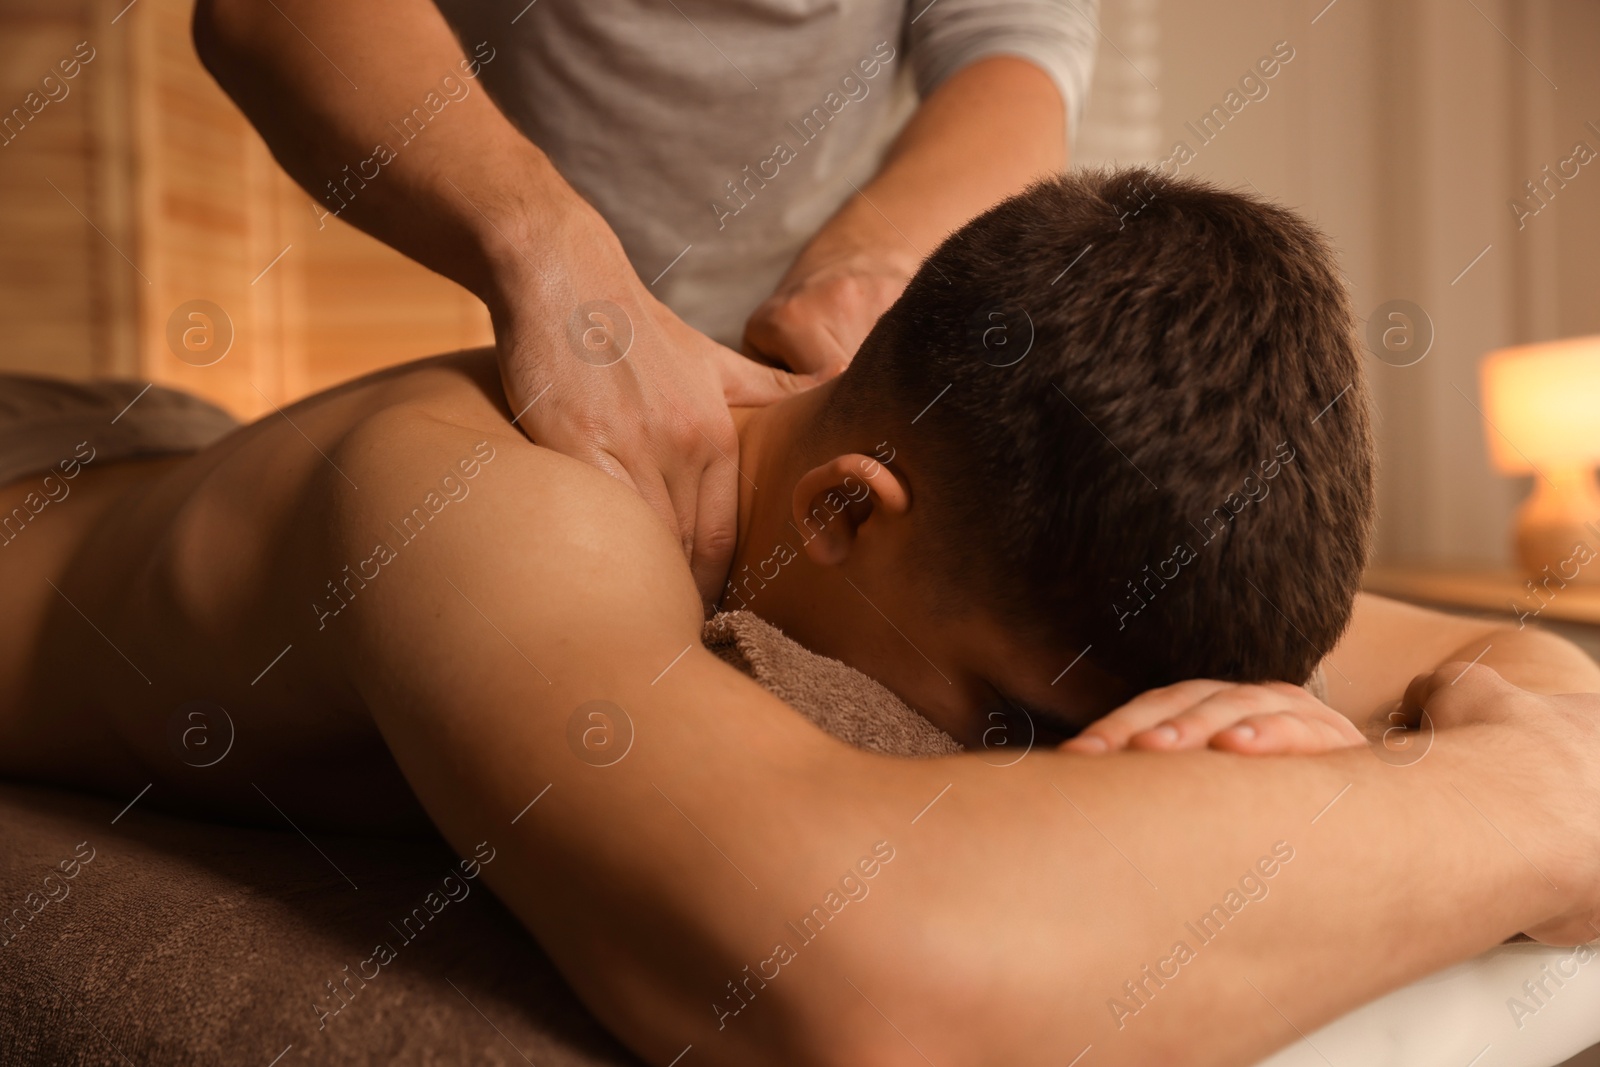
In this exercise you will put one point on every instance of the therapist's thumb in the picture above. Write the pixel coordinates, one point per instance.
(746, 383)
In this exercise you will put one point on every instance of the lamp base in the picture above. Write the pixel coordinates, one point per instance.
(1558, 528)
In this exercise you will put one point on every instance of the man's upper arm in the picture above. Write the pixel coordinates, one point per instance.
(539, 641)
(1386, 645)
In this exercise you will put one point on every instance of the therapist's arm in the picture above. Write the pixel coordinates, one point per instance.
(330, 85)
(985, 133)
(1011, 909)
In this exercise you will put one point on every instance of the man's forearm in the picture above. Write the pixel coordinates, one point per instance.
(1536, 660)
(1077, 900)
(353, 100)
(1389, 643)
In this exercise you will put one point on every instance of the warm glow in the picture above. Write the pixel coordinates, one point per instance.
(1544, 401)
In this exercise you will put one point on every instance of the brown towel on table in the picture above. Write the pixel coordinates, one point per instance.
(43, 421)
(187, 944)
(840, 699)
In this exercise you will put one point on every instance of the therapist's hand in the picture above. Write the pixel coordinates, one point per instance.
(600, 370)
(825, 306)
(988, 130)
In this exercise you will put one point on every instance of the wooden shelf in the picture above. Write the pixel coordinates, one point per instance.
(1502, 592)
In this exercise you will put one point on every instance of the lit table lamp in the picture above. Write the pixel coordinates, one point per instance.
(1543, 402)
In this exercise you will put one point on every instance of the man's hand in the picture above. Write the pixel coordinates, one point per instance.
(819, 315)
(1462, 694)
(598, 369)
(1275, 719)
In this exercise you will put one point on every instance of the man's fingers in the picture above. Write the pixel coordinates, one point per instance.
(1195, 726)
(1435, 690)
(1143, 711)
(1288, 733)
(1199, 712)
(1227, 707)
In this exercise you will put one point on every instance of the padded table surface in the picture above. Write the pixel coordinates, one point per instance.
(157, 940)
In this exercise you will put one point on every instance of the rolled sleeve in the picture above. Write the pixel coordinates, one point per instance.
(1059, 36)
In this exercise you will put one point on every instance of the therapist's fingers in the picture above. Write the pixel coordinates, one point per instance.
(700, 461)
(746, 383)
(696, 494)
(693, 456)
(822, 311)
(714, 523)
(704, 527)
(788, 337)
(653, 489)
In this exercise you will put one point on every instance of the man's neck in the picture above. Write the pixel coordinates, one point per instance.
(762, 571)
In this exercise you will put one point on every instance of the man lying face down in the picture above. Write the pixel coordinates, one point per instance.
(1114, 435)
(1111, 437)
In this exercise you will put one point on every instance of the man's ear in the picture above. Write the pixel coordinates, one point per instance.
(834, 500)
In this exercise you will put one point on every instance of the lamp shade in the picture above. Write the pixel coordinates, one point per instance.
(1543, 401)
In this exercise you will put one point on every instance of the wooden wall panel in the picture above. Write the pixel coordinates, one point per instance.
(199, 219)
(181, 201)
(47, 252)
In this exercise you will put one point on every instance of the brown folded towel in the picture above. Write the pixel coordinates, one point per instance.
(44, 421)
(846, 703)
(840, 699)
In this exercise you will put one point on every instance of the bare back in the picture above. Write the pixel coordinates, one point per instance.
(152, 634)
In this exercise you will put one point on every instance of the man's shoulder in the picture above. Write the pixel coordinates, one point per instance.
(492, 502)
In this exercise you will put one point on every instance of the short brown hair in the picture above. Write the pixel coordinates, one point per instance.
(1134, 406)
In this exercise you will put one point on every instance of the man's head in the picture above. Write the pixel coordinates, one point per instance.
(1118, 413)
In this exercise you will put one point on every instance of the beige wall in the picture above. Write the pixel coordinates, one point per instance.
(47, 260)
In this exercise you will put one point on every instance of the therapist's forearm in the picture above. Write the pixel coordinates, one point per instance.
(982, 135)
(467, 196)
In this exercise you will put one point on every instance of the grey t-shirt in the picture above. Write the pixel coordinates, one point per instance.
(717, 136)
